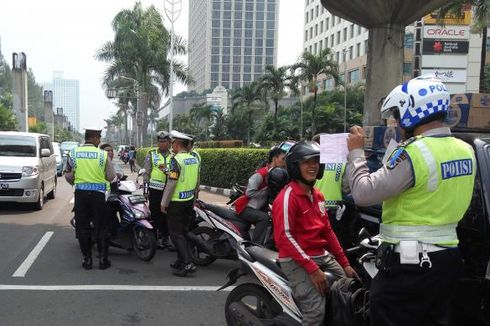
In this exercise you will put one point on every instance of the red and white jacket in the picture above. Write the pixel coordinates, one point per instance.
(302, 229)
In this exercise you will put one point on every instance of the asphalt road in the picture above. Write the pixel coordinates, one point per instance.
(55, 290)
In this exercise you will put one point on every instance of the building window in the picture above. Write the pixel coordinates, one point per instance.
(306, 17)
(351, 52)
(321, 26)
(327, 23)
(320, 46)
(310, 49)
(337, 57)
(358, 49)
(316, 11)
(338, 37)
(315, 47)
(306, 36)
(409, 41)
(354, 76)
(333, 21)
(316, 29)
(359, 30)
(326, 42)
(329, 84)
(351, 30)
(345, 34)
(311, 32)
(332, 40)
(339, 20)
(366, 47)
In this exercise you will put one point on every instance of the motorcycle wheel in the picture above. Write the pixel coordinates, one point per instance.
(144, 243)
(198, 256)
(255, 299)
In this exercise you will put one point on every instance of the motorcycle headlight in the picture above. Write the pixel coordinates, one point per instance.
(30, 171)
(138, 214)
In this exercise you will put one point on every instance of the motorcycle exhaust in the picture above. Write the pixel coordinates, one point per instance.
(200, 243)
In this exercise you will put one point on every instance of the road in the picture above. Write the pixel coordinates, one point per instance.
(55, 290)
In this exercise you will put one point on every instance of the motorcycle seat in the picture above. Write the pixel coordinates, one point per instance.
(266, 257)
(223, 212)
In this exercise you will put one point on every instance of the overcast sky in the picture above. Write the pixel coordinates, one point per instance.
(63, 35)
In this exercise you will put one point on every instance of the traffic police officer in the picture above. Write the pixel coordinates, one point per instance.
(178, 199)
(155, 177)
(89, 169)
(426, 187)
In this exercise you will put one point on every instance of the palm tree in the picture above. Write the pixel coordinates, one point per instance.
(482, 16)
(200, 113)
(248, 96)
(273, 83)
(313, 66)
(293, 82)
(139, 52)
(218, 129)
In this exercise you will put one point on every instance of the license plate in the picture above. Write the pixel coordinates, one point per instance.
(4, 186)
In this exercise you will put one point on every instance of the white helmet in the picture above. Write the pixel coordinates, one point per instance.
(417, 100)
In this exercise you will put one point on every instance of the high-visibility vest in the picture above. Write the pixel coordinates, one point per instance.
(159, 162)
(188, 178)
(89, 165)
(330, 185)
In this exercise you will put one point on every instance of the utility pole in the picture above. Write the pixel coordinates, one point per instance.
(48, 113)
(172, 9)
(19, 90)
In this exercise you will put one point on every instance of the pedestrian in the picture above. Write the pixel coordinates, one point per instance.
(89, 169)
(178, 200)
(156, 166)
(426, 187)
(132, 159)
(111, 217)
(304, 238)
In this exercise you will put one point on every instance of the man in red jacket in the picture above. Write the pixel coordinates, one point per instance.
(304, 238)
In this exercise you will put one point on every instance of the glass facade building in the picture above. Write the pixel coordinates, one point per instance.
(231, 41)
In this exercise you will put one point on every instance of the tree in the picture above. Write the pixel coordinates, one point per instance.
(8, 120)
(40, 127)
(201, 115)
(247, 97)
(273, 82)
(35, 97)
(311, 67)
(218, 128)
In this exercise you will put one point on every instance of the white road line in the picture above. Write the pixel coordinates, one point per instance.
(6, 287)
(24, 267)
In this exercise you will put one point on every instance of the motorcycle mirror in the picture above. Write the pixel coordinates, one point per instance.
(141, 172)
(363, 234)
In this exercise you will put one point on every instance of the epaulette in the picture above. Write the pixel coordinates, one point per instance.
(399, 154)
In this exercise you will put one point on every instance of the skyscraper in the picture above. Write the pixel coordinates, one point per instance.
(66, 95)
(231, 41)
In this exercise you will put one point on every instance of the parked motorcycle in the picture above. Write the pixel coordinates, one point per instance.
(133, 231)
(269, 300)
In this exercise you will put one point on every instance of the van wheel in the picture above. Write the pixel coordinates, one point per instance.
(40, 201)
(52, 194)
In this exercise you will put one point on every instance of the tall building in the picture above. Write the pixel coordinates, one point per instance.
(349, 45)
(66, 95)
(231, 41)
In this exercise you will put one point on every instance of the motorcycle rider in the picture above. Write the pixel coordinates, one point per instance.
(304, 238)
(89, 169)
(252, 205)
(426, 187)
(178, 200)
(156, 167)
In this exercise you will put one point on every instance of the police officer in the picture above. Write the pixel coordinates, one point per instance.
(178, 199)
(89, 169)
(156, 166)
(426, 187)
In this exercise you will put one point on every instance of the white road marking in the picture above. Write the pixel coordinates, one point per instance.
(24, 267)
(6, 287)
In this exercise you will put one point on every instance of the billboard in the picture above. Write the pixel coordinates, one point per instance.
(445, 47)
(449, 19)
(448, 75)
(447, 61)
(454, 32)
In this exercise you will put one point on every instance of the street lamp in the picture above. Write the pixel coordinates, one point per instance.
(344, 52)
(172, 9)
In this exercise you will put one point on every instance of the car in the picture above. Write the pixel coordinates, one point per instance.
(66, 148)
(472, 301)
(27, 168)
(59, 159)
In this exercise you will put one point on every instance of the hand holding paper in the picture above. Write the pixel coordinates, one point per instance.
(356, 138)
(333, 148)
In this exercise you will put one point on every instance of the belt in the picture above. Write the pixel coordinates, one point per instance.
(429, 248)
(423, 233)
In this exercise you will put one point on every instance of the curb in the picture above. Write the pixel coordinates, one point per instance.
(219, 191)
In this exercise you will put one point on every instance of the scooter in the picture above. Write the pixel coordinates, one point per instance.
(269, 300)
(134, 230)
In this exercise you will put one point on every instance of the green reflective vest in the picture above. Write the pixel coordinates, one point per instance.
(187, 182)
(444, 173)
(89, 164)
(330, 184)
(159, 163)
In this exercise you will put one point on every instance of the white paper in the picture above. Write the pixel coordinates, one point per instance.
(391, 147)
(333, 148)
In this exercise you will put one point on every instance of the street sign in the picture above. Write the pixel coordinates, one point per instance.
(445, 47)
(454, 32)
(448, 75)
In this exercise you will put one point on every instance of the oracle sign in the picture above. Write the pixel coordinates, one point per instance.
(447, 32)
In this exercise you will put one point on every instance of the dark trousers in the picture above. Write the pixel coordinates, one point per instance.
(412, 295)
(259, 219)
(179, 214)
(90, 206)
(160, 219)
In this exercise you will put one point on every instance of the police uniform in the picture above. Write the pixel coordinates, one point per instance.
(89, 169)
(178, 200)
(156, 166)
(426, 187)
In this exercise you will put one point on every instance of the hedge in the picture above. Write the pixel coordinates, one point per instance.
(223, 167)
(220, 144)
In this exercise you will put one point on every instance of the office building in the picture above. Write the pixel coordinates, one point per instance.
(231, 41)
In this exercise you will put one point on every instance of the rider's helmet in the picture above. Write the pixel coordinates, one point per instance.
(163, 135)
(417, 101)
(302, 150)
(276, 180)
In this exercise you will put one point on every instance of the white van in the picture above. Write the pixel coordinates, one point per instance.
(27, 168)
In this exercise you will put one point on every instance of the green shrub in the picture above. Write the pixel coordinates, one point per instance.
(220, 144)
(223, 167)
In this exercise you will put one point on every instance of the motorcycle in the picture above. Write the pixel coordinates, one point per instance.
(269, 300)
(134, 230)
(219, 235)
(236, 191)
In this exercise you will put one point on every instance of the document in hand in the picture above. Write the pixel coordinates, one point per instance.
(333, 148)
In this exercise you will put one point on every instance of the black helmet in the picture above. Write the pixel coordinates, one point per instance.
(300, 151)
(163, 135)
(277, 179)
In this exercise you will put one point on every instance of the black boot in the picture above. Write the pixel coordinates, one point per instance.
(103, 247)
(86, 249)
(87, 263)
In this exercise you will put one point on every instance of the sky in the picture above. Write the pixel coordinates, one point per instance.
(63, 35)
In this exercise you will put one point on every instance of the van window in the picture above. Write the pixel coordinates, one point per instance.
(44, 142)
(17, 146)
